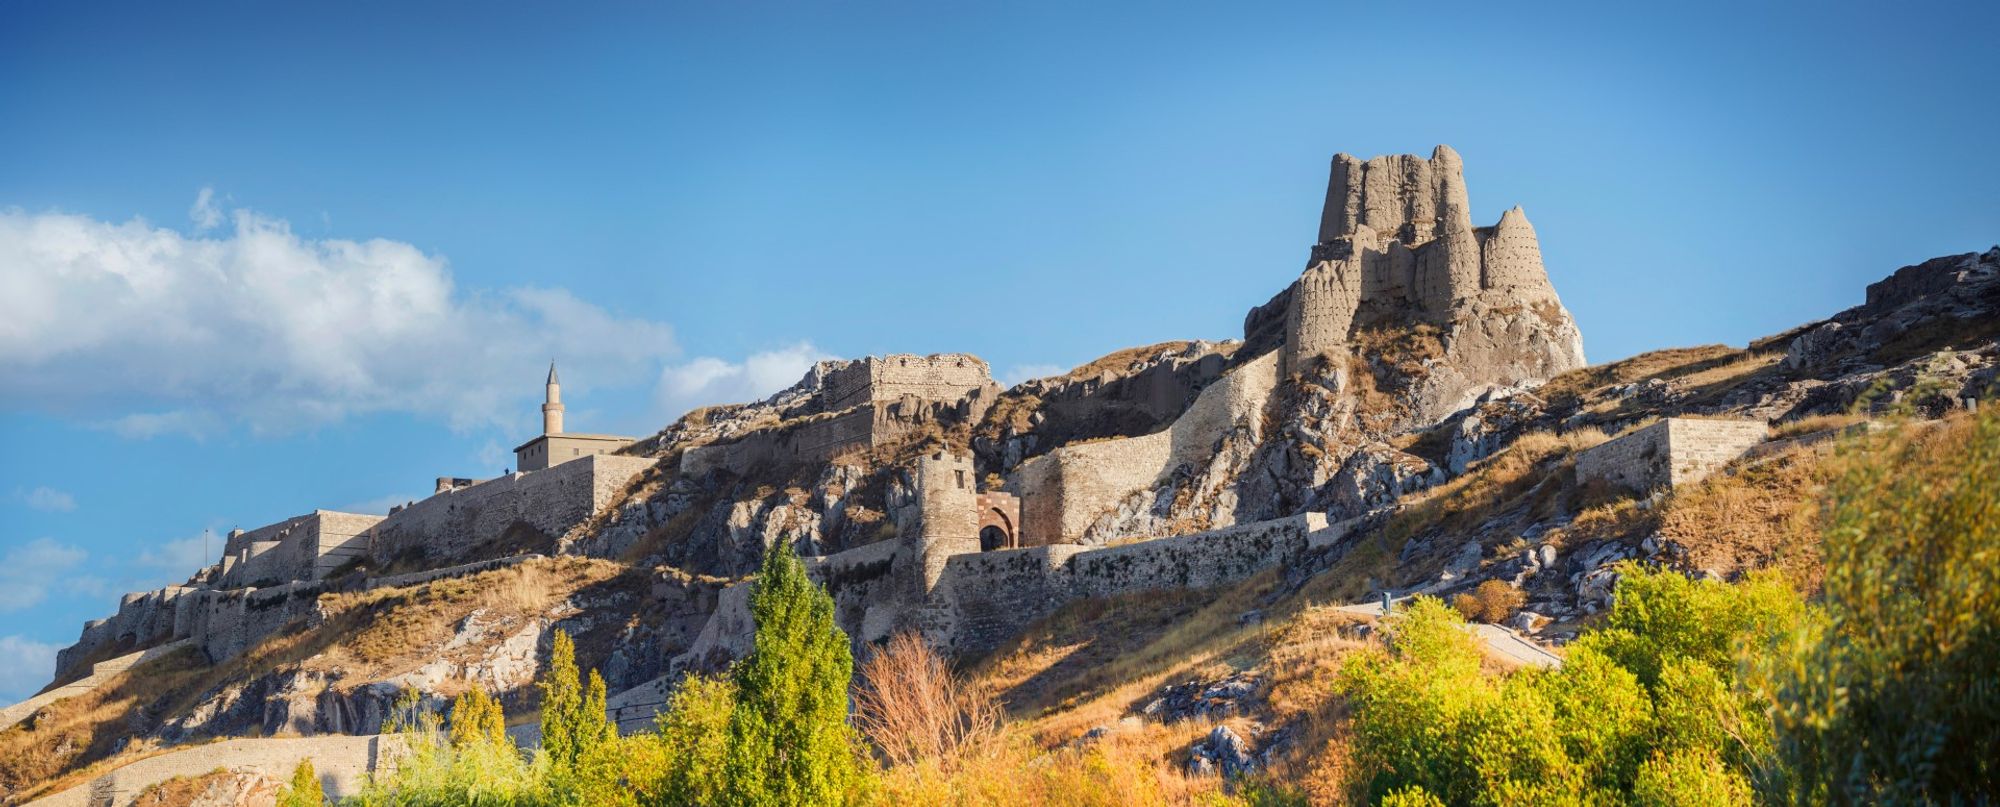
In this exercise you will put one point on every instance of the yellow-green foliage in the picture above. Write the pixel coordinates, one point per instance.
(1891, 698)
(304, 790)
(1688, 778)
(789, 742)
(1652, 691)
(574, 721)
(477, 717)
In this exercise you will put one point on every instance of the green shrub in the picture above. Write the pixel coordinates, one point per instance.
(304, 789)
(477, 718)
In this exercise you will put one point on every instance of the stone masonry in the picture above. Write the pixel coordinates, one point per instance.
(1671, 452)
(857, 405)
(1397, 248)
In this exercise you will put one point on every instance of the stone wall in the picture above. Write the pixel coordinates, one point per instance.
(1675, 451)
(99, 673)
(1064, 491)
(493, 517)
(305, 547)
(989, 597)
(879, 379)
(343, 765)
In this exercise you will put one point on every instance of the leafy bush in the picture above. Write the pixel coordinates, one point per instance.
(476, 717)
(1891, 697)
(574, 721)
(1649, 694)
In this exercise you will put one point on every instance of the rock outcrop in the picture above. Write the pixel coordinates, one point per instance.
(1396, 249)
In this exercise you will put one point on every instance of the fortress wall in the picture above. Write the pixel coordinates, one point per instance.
(142, 619)
(1698, 446)
(342, 763)
(461, 523)
(1637, 460)
(342, 537)
(991, 597)
(862, 585)
(230, 622)
(1065, 490)
(1199, 560)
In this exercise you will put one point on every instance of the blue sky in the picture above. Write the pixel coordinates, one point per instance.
(260, 258)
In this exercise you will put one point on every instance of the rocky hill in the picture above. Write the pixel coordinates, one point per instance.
(1412, 414)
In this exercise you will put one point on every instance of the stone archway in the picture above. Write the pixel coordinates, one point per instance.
(992, 537)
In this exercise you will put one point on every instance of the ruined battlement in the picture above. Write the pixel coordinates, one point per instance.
(883, 379)
(1672, 452)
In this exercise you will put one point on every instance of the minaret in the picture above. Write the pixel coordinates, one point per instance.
(552, 409)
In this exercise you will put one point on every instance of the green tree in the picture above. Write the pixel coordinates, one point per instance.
(304, 789)
(574, 720)
(1891, 698)
(475, 718)
(789, 742)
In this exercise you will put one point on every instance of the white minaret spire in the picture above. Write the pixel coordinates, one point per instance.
(552, 409)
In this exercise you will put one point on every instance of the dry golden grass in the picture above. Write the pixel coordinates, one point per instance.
(385, 630)
(60, 746)
(910, 705)
(1816, 424)
(1579, 383)
(1135, 766)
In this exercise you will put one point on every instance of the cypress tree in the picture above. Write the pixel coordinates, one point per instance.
(789, 739)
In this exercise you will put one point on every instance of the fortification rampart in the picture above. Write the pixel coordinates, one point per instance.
(1671, 452)
(99, 673)
(880, 379)
(503, 515)
(343, 765)
(1064, 491)
(989, 597)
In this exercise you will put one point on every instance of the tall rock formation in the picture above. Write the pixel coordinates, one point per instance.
(1397, 249)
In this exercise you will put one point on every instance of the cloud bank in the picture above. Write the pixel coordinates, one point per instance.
(151, 331)
(27, 571)
(25, 666)
(707, 380)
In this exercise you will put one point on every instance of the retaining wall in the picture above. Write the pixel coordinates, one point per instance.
(342, 762)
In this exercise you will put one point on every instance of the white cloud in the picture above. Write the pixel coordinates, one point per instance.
(203, 212)
(177, 559)
(25, 667)
(48, 499)
(149, 331)
(380, 505)
(708, 380)
(28, 571)
(1028, 372)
